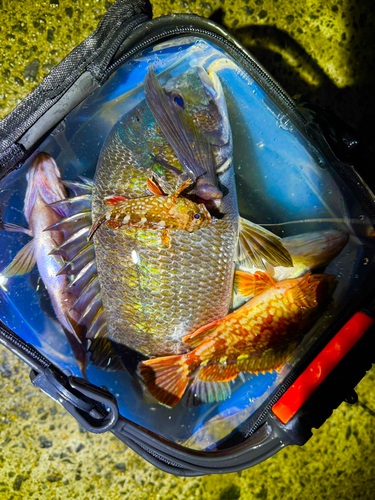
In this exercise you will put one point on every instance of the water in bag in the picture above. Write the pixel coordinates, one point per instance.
(179, 241)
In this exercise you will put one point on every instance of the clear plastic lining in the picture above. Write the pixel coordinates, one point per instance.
(281, 183)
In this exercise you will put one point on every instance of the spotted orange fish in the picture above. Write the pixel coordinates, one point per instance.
(158, 212)
(258, 337)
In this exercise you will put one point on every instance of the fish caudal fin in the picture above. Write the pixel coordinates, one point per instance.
(23, 262)
(166, 378)
(256, 245)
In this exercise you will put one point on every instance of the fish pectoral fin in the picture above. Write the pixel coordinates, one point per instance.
(203, 392)
(182, 187)
(166, 378)
(189, 145)
(305, 293)
(196, 338)
(244, 283)
(23, 262)
(256, 244)
(15, 228)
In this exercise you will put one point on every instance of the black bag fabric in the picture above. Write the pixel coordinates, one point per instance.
(292, 164)
(93, 55)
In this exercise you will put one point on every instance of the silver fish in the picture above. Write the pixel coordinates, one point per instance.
(44, 190)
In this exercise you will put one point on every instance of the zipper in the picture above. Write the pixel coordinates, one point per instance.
(266, 82)
(22, 349)
(191, 30)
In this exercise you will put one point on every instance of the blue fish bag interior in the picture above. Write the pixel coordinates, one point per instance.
(179, 241)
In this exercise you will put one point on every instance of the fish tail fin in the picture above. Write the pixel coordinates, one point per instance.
(166, 378)
(23, 262)
(203, 392)
(256, 245)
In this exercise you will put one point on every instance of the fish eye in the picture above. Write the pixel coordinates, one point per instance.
(178, 99)
(197, 216)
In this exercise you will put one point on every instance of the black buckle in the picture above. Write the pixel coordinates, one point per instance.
(95, 408)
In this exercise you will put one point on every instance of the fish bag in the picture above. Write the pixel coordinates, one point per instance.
(187, 253)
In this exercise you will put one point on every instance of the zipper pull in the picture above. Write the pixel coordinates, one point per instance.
(93, 407)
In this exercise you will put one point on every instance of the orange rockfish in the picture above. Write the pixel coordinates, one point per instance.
(157, 212)
(258, 337)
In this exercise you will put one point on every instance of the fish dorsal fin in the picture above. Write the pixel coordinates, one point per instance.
(262, 282)
(304, 293)
(113, 200)
(154, 188)
(256, 245)
(244, 283)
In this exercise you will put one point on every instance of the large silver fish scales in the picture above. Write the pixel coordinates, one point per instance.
(134, 289)
(154, 295)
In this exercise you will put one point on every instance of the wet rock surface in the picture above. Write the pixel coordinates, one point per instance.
(45, 454)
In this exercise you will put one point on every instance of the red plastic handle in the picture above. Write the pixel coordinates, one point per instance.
(292, 400)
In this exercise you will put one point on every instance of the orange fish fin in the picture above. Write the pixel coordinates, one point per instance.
(262, 282)
(266, 361)
(166, 237)
(182, 187)
(307, 292)
(166, 378)
(196, 338)
(113, 200)
(202, 392)
(154, 188)
(218, 372)
(244, 283)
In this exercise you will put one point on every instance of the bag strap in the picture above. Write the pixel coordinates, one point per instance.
(93, 55)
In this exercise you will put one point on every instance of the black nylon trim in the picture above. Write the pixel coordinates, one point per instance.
(119, 21)
(11, 157)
